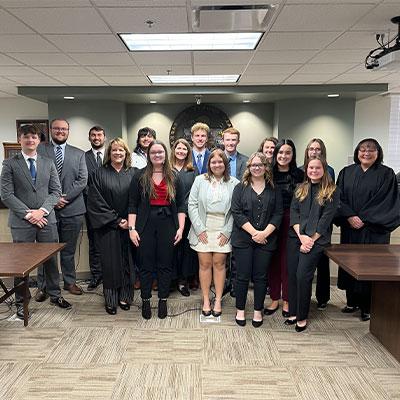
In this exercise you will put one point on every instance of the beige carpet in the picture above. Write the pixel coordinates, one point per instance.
(85, 353)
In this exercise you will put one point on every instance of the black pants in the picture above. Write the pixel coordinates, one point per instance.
(252, 262)
(94, 254)
(359, 296)
(301, 269)
(156, 252)
(322, 291)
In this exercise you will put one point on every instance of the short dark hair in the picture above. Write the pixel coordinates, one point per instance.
(144, 132)
(97, 128)
(379, 159)
(292, 164)
(58, 119)
(28, 129)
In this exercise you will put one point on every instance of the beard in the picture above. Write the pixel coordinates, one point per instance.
(97, 146)
(56, 141)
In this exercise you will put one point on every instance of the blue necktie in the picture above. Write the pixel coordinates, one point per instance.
(59, 160)
(199, 162)
(232, 172)
(32, 169)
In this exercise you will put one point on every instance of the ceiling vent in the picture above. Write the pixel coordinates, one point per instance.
(225, 18)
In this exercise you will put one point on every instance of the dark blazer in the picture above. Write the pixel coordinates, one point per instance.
(73, 178)
(139, 202)
(19, 193)
(314, 218)
(241, 208)
(241, 161)
(91, 165)
(204, 166)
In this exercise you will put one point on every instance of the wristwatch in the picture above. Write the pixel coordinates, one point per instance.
(131, 228)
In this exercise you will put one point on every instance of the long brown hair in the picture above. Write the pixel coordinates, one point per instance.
(326, 186)
(119, 142)
(147, 178)
(322, 145)
(188, 163)
(220, 153)
(246, 180)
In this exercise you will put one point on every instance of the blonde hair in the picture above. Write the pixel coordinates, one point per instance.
(232, 131)
(119, 142)
(188, 163)
(200, 125)
(246, 179)
(326, 186)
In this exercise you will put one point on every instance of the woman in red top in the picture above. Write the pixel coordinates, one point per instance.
(156, 220)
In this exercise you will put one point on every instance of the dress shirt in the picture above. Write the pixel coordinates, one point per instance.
(196, 153)
(62, 148)
(95, 151)
(232, 163)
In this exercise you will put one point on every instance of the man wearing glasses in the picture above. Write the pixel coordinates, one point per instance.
(70, 209)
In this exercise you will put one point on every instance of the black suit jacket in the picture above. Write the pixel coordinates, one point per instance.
(91, 165)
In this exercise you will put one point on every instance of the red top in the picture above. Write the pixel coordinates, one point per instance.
(161, 198)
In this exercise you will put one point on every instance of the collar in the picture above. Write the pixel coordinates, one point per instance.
(26, 156)
(61, 145)
(233, 156)
(95, 151)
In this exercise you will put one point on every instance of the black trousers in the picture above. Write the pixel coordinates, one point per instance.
(359, 296)
(156, 252)
(252, 262)
(301, 269)
(94, 254)
(323, 288)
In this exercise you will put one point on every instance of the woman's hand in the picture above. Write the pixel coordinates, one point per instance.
(355, 222)
(123, 224)
(259, 237)
(306, 243)
(134, 236)
(223, 240)
(304, 249)
(178, 236)
(203, 237)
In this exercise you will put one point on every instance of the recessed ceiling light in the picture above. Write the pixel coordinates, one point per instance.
(193, 78)
(191, 41)
(333, 95)
(153, 102)
(69, 97)
(246, 101)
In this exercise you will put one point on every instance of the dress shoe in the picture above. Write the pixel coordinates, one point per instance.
(270, 311)
(73, 289)
(256, 324)
(41, 296)
(240, 322)
(111, 310)
(365, 316)
(162, 308)
(290, 321)
(349, 310)
(206, 313)
(216, 314)
(61, 302)
(300, 328)
(183, 290)
(285, 314)
(20, 312)
(136, 285)
(154, 285)
(194, 283)
(124, 306)
(146, 309)
(94, 283)
(322, 306)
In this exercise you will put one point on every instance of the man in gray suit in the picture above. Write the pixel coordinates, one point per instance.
(30, 188)
(70, 210)
(237, 161)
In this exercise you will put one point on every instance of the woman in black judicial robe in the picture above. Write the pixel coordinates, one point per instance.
(368, 213)
(108, 212)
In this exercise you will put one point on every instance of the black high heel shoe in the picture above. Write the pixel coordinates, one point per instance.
(256, 324)
(300, 328)
(111, 310)
(270, 311)
(124, 306)
(216, 313)
(290, 321)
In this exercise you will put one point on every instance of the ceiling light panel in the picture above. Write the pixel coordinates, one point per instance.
(189, 79)
(191, 41)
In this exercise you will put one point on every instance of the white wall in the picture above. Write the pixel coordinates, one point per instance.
(12, 109)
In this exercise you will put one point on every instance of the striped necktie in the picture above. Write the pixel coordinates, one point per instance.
(32, 169)
(98, 159)
(59, 160)
(199, 162)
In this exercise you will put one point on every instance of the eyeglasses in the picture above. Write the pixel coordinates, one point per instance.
(255, 166)
(316, 149)
(367, 150)
(154, 153)
(57, 128)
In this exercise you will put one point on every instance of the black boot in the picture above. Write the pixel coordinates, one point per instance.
(162, 308)
(146, 309)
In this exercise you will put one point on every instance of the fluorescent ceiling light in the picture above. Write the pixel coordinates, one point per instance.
(246, 101)
(191, 41)
(153, 102)
(333, 95)
(193, 78)
(69, 97)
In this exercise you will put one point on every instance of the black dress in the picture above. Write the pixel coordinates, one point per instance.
(107, 205)
(372, 195)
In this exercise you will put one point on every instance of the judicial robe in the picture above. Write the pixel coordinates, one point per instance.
(107, 204)
(372, 195)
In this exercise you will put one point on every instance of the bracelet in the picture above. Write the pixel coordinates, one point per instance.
(131, 228)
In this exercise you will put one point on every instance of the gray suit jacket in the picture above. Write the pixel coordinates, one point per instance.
(19, 193)
(241, 161)
(73, 178)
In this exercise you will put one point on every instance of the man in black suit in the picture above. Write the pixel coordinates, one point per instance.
(94, 159)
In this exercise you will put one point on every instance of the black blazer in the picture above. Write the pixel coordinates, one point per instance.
(241, 208)
(314, 218)
(139, 203)
(91, 166)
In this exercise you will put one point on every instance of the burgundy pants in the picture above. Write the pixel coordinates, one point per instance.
(278, 273)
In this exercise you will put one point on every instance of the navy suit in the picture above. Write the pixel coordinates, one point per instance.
(204, 166)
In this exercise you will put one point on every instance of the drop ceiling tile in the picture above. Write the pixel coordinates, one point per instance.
(283, 57)
(272, 69)
(219, 69)
(87, 43)
(163, 69)
(5, 82)
(138, 3)
(393, 79)
(62, 20)
(91, 59)
(325, 68)
(35, 81)
(331, 1)
(44, 3)
(4, 60)
(43, 58)
(269, 79)
(126, 80)
(297, 40)
(116, 71)
(354, 78)
(13, 90)
(18, 71)
(9, 24)
(339, 56)
(354, 40)
(6, 95)
(162, 58)
(66, 71)
(222, 57)
(81, 80)
(379, 19)
(25, 43)
(303, 79)
(133, 20)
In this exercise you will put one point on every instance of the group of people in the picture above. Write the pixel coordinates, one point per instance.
(198, 212)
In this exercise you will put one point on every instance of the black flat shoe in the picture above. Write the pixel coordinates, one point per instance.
(285, 314)
(124, 306)
(183, 290)
(349, 310)
(256, 324)
(146, 309)
(290, 321)
(270, 311)
(300, 328)
(240, 322)
(111, 310)
(206, 313)
(365, 316)
(162, 308)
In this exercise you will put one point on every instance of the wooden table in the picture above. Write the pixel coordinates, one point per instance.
(380, 264)
(18, 260)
